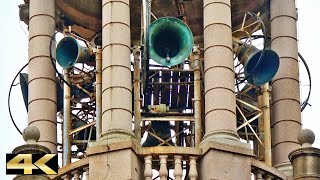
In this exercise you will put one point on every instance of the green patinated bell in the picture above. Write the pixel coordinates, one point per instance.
(170, 41)
(69, 52)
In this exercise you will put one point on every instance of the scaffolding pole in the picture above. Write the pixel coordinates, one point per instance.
(197, 95)
(266, 122)
(136, 87)
(66, 156)
(98, 92)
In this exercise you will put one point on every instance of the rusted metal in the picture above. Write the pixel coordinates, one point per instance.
(136, 95)
(98, 92)
(266, 123)
(197, 95)
(81, 128)
(66, 120)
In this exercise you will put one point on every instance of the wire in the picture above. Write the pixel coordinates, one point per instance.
(305, 102)
(9, 97)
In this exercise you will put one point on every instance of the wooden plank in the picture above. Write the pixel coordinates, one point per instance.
(165, 88)
(156, 90)
(174, 91)
(182, 97)
(191, 92)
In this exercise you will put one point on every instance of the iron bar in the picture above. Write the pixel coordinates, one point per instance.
(137, 98)
(81, 128)
(169, 118)
(197, 95)
(98, 92)
(267, 123)
(66, 120)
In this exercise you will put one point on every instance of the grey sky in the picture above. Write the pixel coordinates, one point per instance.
(13, 55)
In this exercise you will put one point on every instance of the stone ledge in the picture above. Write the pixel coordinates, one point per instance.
(227, 146)
(185, 152)
(113, 147)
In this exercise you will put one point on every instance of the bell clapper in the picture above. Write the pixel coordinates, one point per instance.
(168, 57)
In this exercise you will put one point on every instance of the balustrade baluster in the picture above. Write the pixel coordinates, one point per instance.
(268, 177)
(259, 175)
(163, 172)
(193, 173)
(65, 177)
(76, 174)
(86, 170)
(177, 167)
(148, 168)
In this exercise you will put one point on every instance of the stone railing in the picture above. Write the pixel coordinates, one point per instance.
(162, 159)
(76, 171)
(262, 171)
(180, 161)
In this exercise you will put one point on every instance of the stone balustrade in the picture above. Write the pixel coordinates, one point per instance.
(262, 171)
(182, 161)
(76, 171)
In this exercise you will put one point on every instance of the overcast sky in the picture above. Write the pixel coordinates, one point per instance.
(13, 55)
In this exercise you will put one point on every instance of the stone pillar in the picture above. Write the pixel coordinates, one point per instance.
(306, 160)
(114, 154)
(116, 72)
(286, 115)
(220, 100)
(222, 151)
(42, 106)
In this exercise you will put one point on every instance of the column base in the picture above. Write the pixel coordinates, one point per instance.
(286, 168)
(114, 136)
(227, 159)
(224, 137)
(115, 161)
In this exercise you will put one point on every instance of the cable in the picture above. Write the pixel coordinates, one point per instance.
(9, 97)
(305, 102)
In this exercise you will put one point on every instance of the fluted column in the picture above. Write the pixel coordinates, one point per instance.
(116, 73)
(42, 98)
(220, 100)
(286, 121)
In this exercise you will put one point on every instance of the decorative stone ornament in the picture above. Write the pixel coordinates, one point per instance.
(306, 138)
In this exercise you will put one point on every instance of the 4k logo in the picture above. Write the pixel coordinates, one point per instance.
(32, 164)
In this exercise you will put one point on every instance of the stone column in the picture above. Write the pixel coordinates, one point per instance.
(114, 155)
(42, 106)
(116, 72)
(222, 151)
(220, 100)
(286, 115)
(306, 160)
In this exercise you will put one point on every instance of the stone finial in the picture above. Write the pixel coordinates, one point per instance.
(31, 134)
(306, 138)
